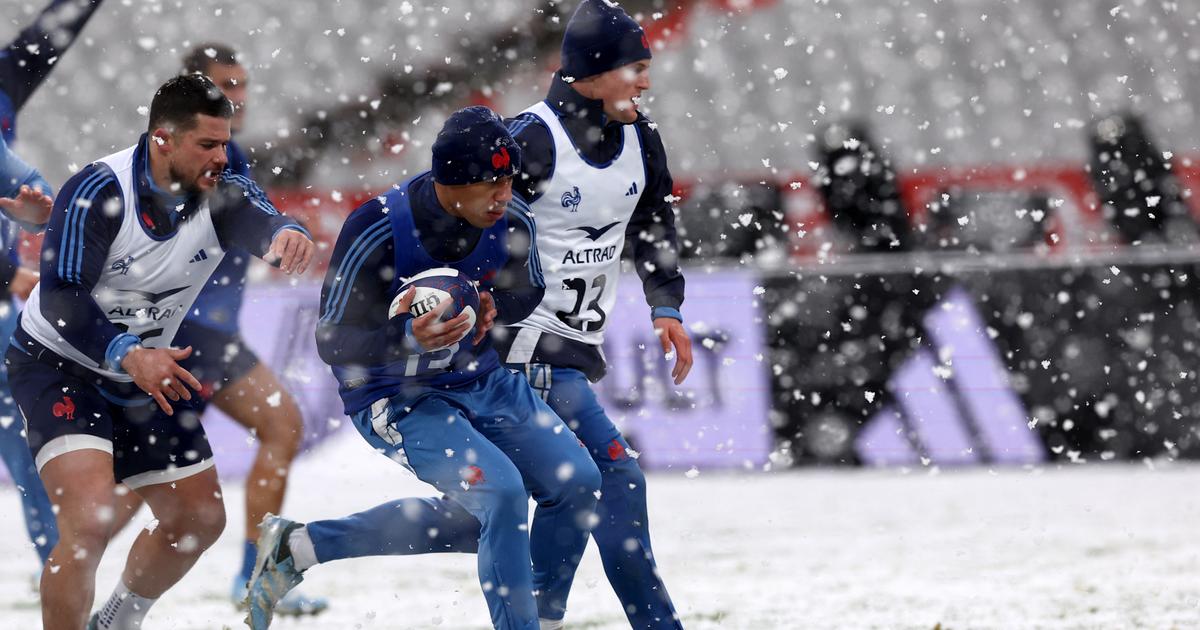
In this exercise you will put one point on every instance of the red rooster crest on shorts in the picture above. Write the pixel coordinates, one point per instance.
(473, 475)
(64, 408)
(500, 159)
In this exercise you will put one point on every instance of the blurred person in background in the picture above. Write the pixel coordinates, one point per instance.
(24, 64)
(1141, 196)
(596, 178)
(232, 376)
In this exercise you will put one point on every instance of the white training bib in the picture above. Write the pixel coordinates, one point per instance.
(147, 284)
(581, 219)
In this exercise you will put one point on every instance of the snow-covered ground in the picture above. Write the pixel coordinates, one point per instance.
(1079, 547)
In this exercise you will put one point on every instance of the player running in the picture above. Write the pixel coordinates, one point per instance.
(454, 417)
(595, 176)
(92, 368)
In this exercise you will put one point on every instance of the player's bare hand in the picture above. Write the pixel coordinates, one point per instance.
(292, 250)
(433, 333)
(671, 333)
(31, 205)
(487, 316)
(158, 373)
(22, 282)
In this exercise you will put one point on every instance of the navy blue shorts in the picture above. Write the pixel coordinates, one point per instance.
(65, 409)
(218, 357)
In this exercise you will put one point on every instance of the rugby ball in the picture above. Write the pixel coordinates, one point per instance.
(436, 286)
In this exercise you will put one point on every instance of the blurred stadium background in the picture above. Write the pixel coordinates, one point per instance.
(919, 235)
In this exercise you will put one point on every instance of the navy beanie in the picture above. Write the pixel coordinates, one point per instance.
(601, 37)
(474, 146)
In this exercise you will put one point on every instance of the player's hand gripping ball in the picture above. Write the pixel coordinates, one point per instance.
(435, 286)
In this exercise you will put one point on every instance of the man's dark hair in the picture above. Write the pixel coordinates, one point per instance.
(202, 55)
(181, 98)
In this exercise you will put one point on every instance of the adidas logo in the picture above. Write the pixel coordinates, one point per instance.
(200, 255)
(632, 190)
(953, 409)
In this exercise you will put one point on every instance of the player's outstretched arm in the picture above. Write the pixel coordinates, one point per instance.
(25, 196)
(244, 217)
(30, 208)
(651, 237)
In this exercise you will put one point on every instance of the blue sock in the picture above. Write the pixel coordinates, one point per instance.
(249, 555)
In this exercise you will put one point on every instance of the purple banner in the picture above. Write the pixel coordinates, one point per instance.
(718, 417)
(279, 322)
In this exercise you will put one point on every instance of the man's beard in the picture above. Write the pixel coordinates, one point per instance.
(187, 185)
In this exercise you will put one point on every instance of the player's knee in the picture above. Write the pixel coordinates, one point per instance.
(509, 500)
(624, 477)
(207, 523)
(85, 523)
(87, 534)
(283, 431)
(587, 477)
(579, 479)
(195, 527)
(511, 492)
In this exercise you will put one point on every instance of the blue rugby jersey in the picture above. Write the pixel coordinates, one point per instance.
(395, 236)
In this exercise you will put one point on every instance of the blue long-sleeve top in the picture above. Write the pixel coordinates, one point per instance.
(354, 329)
(651, 238)
(241, 214)
(28, 59)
